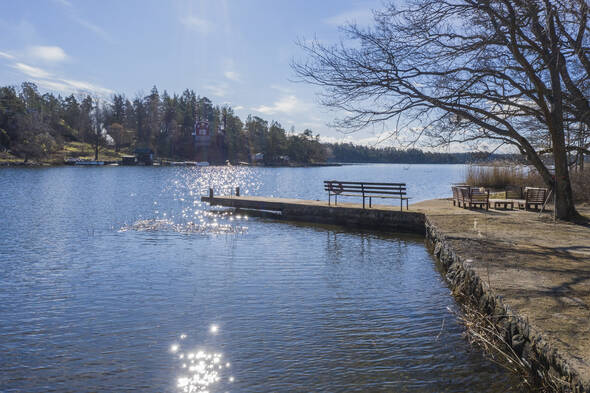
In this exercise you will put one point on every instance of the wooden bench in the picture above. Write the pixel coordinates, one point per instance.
(457, 195)
(366, 190)
(533, 197)
(474, 197)
(504, 203)
(514, 192)
(512, 196)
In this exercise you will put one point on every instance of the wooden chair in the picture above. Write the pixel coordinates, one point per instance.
(474, 197)
(533, 197)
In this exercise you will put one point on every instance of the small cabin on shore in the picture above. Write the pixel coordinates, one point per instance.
(144, 156)
(128, 160)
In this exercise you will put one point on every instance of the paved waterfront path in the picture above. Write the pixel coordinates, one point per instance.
(540, 268)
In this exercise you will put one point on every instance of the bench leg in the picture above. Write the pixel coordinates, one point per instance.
(370, 202)
(407, 208)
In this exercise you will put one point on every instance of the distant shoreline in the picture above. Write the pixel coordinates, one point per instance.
(106, 163)
(44, 164)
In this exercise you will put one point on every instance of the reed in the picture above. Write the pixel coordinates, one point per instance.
(498, 176)
(482, 331)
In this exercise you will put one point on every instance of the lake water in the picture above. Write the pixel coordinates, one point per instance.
(119, 279)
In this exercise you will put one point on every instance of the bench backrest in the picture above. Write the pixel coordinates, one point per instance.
(464, 192)
(457, 191)
(339, 187)
(513, 192)
(478, 195)
(536, 195)
(470, 194)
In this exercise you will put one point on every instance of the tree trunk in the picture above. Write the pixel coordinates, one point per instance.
(96, 148)
(562, 189)
(564, 200)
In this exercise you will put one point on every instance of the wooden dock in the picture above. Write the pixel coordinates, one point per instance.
(383, 217)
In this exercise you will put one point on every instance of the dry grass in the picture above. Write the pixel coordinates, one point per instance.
(482, 332)
(500, 176)
(581, 185)
(84, 151)
(79, 150)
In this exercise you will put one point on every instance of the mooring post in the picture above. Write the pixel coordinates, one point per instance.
(210, 194)
(238, 191)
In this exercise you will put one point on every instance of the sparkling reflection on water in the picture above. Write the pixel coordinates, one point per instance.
(200, 371)
(109, 275)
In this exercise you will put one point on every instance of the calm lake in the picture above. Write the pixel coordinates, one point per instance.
(119, 279)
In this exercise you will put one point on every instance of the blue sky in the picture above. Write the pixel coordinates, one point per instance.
(232, 51)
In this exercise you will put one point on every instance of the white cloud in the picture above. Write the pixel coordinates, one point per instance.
(72, 86)
(5, 55)
(287, 104)
(282, 89)
(51, 82)
(232, 75)
(195, 23)
(92, 27)
(53, 85)
(87, 87)
(31, 71)
(47, 53)
(238, 108)
(359, 16)
(219, 90)
(73, 14)
(64, 3)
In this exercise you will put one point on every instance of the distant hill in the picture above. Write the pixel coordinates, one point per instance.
(351, 153)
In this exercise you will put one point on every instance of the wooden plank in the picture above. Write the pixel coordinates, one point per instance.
(367, 183)
(278, 204)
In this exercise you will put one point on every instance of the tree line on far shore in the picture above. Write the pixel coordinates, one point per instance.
(35, 125)
(350, 153)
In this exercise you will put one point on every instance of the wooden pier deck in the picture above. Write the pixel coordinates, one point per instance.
(381, 217)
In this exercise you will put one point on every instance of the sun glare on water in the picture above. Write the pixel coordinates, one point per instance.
(200, 370)
(182, 211)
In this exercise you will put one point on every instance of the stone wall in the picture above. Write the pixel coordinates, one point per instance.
(530, 345)
(541, 359)
(394, 221)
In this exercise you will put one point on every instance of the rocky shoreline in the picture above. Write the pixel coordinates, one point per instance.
(531, 345)
(528, 276)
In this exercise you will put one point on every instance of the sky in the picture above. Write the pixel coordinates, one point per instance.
(235, 52)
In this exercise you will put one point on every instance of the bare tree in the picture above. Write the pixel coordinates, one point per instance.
(97, 127)
(465, 70)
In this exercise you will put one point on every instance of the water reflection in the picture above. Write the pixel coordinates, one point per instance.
(84, 306)
(187, 214)
(200, 370)
(214, 226)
